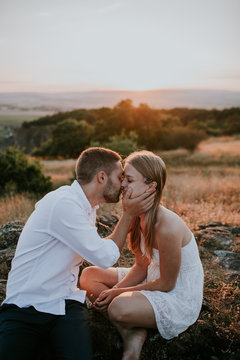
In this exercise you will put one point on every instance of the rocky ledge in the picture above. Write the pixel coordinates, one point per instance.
(223, 242)
(200, 341)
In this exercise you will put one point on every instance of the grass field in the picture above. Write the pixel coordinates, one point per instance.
(222, 145)
(16, 118)
(205, 191)
(222, 152)
(199, 197)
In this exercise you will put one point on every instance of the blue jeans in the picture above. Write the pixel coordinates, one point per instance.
(24, 331)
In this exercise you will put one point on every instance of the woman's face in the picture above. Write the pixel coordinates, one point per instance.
(133, 180)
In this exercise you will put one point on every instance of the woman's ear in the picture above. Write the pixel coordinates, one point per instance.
(153, 185)
(101, 177)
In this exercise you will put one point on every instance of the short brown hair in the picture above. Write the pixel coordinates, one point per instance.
(93, 160)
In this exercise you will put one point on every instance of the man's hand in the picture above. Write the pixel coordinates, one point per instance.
(131, 209)
(140, 204)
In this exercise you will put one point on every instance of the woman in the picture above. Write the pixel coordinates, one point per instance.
(164, 287)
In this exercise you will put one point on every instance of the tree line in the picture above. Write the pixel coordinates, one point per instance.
(125, 128)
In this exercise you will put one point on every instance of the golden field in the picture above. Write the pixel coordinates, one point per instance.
(202, 187)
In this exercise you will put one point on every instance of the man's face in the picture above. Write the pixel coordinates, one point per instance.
(113, 187)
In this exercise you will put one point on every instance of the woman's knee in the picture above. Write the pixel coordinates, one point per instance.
(118, 310)
(87, 275)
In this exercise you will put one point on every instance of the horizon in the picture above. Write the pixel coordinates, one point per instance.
(161, 98)
(112, 45)
(121, 90)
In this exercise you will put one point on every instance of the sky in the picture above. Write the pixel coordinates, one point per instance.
(85, 45)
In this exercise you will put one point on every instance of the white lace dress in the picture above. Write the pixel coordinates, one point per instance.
(179, 308)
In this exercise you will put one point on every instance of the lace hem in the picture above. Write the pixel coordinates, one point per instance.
(172, 315)
(122, 272)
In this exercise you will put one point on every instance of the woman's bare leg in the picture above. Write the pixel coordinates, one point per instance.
(94, 280)
(133, 340)
(132, 313)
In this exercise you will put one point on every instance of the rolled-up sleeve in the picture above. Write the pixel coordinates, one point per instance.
(70, 224)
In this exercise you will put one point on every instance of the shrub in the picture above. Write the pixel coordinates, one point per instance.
(178, 137)
(123, 144)
(232, 125)
(18, 174)
(186, 137)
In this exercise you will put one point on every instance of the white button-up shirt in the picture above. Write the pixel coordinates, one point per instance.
(58, 235)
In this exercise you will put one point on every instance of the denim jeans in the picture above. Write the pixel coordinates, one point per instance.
(24, 331)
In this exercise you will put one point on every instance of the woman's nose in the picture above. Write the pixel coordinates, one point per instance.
(124, 183)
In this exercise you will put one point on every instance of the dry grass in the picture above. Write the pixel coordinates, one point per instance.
(221, 145)
(223, 296)
(60, 171)
(221, 152)
(17, 207)
(199, 194)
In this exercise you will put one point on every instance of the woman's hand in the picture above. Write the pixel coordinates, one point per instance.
(105, 297)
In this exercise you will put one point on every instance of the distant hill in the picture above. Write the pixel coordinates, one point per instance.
(160, 99)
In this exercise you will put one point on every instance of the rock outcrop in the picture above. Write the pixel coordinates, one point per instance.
(200, 341)
(223, 242)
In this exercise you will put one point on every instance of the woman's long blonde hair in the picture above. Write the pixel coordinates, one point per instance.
(153, 168)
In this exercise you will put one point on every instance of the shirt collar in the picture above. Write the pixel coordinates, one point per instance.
(77, 189)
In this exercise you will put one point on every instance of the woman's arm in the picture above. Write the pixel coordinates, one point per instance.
(137, 273)
(169, 245)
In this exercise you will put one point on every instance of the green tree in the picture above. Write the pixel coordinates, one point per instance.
(146, 121)
(69, 138)
(114, 121)
(18, 174)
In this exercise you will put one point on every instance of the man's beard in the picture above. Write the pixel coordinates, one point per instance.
(109, 195)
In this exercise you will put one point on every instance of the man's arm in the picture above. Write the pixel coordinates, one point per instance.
(69, 223)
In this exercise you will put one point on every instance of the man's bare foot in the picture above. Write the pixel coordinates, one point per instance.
(132, 342)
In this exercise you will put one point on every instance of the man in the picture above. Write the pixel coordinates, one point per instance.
(43, 301)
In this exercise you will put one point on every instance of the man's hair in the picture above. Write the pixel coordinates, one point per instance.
(95, 159)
